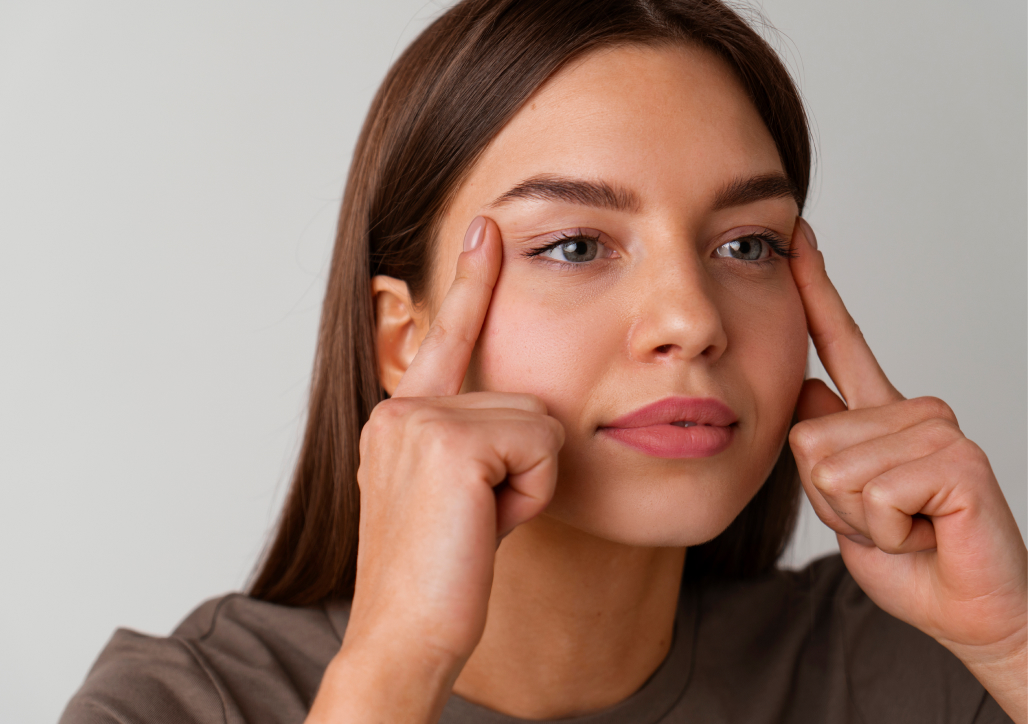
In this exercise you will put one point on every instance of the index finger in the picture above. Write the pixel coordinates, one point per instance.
(837, 338)
(441, 362)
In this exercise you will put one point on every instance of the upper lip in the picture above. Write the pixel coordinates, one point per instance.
(701, 410)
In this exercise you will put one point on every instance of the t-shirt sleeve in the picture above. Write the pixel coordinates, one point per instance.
(140, 679)
(897, 673)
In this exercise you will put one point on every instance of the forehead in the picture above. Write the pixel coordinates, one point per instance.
(671, 123)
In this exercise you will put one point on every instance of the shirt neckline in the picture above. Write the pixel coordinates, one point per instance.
(648, 705)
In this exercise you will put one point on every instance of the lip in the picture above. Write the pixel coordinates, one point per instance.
(649, 429)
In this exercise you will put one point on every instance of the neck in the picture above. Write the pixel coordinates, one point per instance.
(575, 623)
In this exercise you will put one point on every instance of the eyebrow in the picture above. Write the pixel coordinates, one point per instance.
(599, 194)
(756, 188)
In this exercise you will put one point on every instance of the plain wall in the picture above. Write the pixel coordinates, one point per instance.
(169, 179)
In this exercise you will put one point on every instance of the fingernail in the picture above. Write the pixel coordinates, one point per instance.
(476, 232)
(862, 540)
(808, 233)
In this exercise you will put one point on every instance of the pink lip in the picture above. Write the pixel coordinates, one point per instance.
(649, 429)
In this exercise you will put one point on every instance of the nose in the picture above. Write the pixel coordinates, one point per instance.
(677, 316)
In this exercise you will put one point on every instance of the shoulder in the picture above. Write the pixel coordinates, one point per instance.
(232, 657)
(818, 646)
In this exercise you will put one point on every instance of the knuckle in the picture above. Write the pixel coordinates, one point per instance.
(382, 422)
(531, 402)
(875, 494)
(378, 422)
(970, 455)
(438, 433)
(469, 276)
(828, 478)
(463, 275)
(389, 412)
(933, 407)
(384, 428)
(555, 434)
(423, 419)
(804, 437)
(447, 333)
(938, 429)
(436, 336)
(362, 478)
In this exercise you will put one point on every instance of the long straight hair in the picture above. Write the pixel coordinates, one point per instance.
(442, 102)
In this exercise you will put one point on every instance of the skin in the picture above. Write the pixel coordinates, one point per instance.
(511, 364)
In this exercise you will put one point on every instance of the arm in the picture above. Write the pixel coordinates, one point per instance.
(921, 520)
(430, 518)
(384, 681)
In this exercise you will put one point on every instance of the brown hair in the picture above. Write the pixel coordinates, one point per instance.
(440, 105)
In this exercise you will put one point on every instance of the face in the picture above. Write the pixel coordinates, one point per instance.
(644, 288)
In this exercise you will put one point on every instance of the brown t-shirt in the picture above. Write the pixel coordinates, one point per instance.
(794, 646)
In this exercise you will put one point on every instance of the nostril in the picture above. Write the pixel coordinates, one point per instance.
(663, 349)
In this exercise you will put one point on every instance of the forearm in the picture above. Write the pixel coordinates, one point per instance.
(368, 683)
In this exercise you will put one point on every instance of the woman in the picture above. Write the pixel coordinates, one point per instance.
(570, 254)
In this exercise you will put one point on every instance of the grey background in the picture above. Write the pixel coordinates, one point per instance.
(169, 179)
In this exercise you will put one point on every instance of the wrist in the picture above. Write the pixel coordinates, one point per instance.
(1002, 668)
(385, 680)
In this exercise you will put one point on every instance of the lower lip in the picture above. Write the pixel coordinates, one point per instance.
(672, 441)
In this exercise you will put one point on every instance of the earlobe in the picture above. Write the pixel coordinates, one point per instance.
(398, 331)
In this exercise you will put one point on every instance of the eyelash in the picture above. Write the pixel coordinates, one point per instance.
(777, 245)
(563, 239)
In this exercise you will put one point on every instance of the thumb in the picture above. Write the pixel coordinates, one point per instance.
(817, 400)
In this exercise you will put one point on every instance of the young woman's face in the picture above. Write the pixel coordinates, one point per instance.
(643, 209)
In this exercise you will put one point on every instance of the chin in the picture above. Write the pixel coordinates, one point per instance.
(653, 511)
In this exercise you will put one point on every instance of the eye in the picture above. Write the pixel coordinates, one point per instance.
(754, 247)
(574, 249)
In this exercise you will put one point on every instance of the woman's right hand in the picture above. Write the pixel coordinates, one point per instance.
(443, 476)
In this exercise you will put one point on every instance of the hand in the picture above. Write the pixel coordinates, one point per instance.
(921, 521)
(442, 477)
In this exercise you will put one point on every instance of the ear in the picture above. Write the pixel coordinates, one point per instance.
(399, 329)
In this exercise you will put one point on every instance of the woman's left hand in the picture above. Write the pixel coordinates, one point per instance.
(922, 524)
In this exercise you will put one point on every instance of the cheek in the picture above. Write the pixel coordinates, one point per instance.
(535, 341)
(770, 352)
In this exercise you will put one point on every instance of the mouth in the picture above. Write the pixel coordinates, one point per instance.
(676, 427)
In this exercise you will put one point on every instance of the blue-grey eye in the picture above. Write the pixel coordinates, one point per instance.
(748, 248)
(576, 251)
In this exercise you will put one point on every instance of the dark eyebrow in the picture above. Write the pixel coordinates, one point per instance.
(573, 191)
(757, 188)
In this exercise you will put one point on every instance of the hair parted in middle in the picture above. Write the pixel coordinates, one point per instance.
(444, 99)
